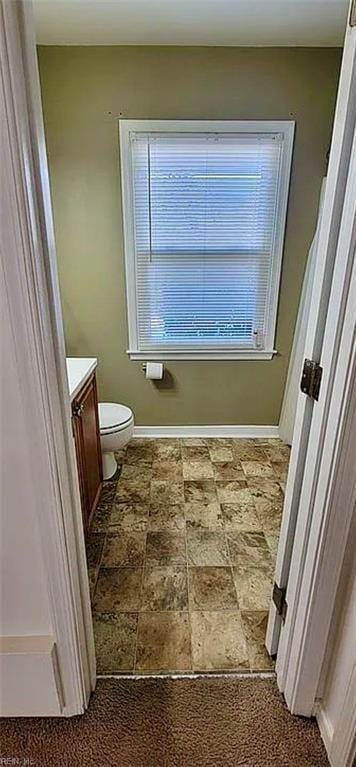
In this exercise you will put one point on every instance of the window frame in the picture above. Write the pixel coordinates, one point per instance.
(126, 127)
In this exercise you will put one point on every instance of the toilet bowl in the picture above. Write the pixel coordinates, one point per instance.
(116, 429)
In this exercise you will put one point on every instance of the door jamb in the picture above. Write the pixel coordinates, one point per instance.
(319, 549)
(30, 274)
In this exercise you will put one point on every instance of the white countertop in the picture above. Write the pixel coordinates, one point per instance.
(78, 371)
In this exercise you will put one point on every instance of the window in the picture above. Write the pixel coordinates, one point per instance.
(204, 218)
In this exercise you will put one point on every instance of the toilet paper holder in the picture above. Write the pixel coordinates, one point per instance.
(153, 371)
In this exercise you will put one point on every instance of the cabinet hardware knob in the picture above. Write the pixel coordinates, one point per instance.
(77, 410)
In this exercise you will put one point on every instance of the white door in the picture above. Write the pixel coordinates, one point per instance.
(290, 399)
(340, 153)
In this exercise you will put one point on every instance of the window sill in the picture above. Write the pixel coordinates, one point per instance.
(244, 354)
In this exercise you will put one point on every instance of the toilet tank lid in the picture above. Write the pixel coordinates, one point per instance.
(111, 414)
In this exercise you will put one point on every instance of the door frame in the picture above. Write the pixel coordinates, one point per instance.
(328, 491)
(31, 280)
(335, 185)
(329, 485)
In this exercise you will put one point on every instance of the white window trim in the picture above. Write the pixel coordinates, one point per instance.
(207, 126)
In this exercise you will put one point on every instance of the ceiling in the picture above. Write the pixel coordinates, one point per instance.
(191, 22)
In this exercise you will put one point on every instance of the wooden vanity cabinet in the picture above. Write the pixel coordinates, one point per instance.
(85, 420)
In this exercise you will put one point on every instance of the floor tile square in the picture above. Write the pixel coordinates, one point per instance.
(193, 470)
(253, 587)
(228, 471)
(270, 515)
(167, 451)
(165, 548)
(103, 510)
(248, 450)
(164, 491)
(255, 628)
(233, 491)
(170, 471)
(107, 496)
(257, 469)
(118, 590)
(139, 454)
(239, 517)
(163, 642)
(280, 452)
(280, 470)
(131, 517)
(200, 491)
(166, 517)
(135, 472)
(211, 588)
(165, 588)
(195, 453)
(94, 549)
(101, 519)
(201, 516)
(218, 641)
(115, 642)
(133, 491)
(206, 548)
(266, 488)
(124, 549)
(221, 454)
(249, 549)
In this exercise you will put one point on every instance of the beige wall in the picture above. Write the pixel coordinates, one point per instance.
(85, 91)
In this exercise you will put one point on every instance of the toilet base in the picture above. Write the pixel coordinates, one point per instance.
(109, 465)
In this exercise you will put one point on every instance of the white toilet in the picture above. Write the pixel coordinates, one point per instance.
(116, 429)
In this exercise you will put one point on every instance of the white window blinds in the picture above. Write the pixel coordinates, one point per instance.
(205, 215)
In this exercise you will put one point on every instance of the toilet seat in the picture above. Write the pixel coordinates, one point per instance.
(113, 417)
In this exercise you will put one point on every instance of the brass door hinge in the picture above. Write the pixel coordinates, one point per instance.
(311, 378)
(279, 600)
(352, 21)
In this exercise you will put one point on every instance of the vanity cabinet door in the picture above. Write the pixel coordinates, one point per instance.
(87, 442)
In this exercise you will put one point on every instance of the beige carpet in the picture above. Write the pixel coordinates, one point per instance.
(202, 722)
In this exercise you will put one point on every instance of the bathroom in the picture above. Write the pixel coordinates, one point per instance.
(182, 540)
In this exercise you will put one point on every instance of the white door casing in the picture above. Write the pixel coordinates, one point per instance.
(30, 275)
(328, 492)
(325, 258)
(329, 486)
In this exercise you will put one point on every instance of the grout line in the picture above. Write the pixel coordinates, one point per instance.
(139, 611)
(188, 594)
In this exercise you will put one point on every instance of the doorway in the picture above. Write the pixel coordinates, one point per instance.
(75, 594)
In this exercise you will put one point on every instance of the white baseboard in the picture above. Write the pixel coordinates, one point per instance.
(246, 432)
(30, 684)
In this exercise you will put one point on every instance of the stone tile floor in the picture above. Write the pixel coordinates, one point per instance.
(181, 555)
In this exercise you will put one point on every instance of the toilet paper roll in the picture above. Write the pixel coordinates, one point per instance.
(154, 370)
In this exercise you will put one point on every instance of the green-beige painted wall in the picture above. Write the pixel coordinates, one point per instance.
(85, 92)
